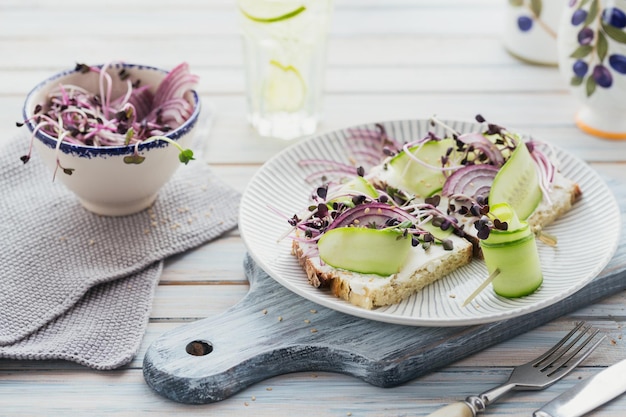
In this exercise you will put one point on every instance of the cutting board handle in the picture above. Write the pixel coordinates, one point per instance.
(271, 331)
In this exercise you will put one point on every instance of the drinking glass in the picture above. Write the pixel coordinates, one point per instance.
(284, 43)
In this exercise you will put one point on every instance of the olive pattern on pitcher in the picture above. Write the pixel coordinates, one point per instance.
(595, 64)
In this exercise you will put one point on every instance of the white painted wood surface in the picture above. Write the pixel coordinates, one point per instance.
(387, 60)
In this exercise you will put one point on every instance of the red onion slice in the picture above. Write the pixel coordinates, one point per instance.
(484, 145)
(371, 213)
(471, 181)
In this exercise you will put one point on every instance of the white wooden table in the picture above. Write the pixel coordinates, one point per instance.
(388, 60)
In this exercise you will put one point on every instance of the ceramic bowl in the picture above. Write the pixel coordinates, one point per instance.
(102, 180)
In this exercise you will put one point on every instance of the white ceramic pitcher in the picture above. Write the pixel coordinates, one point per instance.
(531, 27)
(592, 59)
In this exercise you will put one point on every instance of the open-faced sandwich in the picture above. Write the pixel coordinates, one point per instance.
(429, 207)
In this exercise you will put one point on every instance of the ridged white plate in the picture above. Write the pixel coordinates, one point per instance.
(280, 184)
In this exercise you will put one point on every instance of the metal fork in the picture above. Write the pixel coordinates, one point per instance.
(537, 374)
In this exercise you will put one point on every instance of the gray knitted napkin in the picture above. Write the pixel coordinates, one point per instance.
(78, 286)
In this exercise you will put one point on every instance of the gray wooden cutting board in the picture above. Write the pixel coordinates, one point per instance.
(272, 331)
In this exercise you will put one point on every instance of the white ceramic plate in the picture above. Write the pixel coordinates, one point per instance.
(280, 183)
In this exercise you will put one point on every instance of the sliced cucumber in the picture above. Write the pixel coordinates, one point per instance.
(513, 253)
(518, 262)
(505, 213)
(516, 229)
(415, 178)
(284, 88)
(358, 184)
(363, 250)
(436, 231)
(501, 237)
(517, 183)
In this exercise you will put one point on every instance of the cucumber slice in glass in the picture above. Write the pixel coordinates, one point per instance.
(416, 178)
(517, 183)
(367, 251)
(268, 12)
(284, 88)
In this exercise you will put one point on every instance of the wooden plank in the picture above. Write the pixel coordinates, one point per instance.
(215, 262)
(146, 22)
(226, 52)
(226, 4)
(186, 303)
(236, 176)
(366, 80)
(55, 393)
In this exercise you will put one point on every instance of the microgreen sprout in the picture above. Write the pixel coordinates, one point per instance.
(184, 156)
(74, 115)
(67, 171)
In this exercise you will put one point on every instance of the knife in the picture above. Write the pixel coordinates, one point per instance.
(588, 394)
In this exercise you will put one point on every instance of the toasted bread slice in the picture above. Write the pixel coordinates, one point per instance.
(563, 194)
(368, 290)
(425, 266)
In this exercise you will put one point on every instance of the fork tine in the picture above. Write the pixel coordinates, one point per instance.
(560, 343)
(564, 367)
(549, 362)
(566, 355)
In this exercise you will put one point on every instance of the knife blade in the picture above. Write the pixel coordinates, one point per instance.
(588, 394)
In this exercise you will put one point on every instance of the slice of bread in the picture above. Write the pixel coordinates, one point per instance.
(424, 267)
(563, 194)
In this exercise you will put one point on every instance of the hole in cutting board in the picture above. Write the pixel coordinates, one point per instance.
(199, 348)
